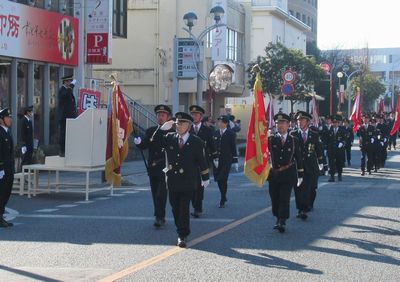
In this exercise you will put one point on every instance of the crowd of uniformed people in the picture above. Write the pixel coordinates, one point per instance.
(183, 149)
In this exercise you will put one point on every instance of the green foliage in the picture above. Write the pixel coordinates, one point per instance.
(277, 59)
(371, 88)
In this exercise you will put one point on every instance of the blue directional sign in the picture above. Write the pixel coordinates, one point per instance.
(287, 89)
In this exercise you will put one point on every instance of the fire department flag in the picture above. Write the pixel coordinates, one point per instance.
(119, 128)
(256, 166)
(396, 124)
(356, 114)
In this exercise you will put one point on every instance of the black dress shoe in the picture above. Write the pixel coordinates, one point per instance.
(339, 177)
(276, 224)
(362, 173)
(196, 214)
(158, 222)
(369, 172)
(181, 242)
(332, 179)
(281, 225)
(4, 223)
(222, 204)
(303, 215)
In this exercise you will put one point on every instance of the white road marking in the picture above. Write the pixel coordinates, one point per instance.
(66, 206)
(102, 198)
(118, 195)
(84, 202)
(130, 192)
(131, 218)
(47, 210)
(11, 214)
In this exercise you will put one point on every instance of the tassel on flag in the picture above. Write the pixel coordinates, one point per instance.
(119, 129)
(270, 112)
(256, 166)
(356, 115)
(396, 124)
(314, 112)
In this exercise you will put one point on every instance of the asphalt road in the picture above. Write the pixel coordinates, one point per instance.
(352, 235)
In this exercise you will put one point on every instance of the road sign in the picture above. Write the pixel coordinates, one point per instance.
(185, 48)
(289, 76)
(287, 89)
(345, 68)
(325, 67)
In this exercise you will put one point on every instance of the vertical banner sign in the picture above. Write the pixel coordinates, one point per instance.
(37, 34)
(98, 31)
(88, 99)
(219, 42)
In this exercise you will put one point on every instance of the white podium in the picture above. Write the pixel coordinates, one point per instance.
(86, 139)
(85, 152)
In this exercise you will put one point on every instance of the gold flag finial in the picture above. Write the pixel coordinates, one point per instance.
(256, 69)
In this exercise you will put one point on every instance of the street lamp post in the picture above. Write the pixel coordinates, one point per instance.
(190, 19)
(339, 75)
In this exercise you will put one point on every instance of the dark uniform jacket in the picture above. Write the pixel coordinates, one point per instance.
(156, 157)
(334, 139)
(6, 152)
(312, 150)
(226, 153)
(368, 137)
(385, 131)
(183, 164)
(66, 103)
(206, 134)
(286, 159)
(26, 132)
(349, 136)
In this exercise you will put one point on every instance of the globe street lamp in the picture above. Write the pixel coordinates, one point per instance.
(339, 75)
(190, 19)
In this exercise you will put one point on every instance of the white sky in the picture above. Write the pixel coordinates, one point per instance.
(346, 24)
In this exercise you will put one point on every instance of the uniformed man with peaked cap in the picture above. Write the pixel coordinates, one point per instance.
(184, 159)
(156, 162)
(205, 133)
(286, 171)
(6, 163)
(225, 145)
(27, 136)
(312, 158)
(336, 148)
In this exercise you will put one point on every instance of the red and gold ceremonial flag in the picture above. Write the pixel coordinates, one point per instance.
(119, 128)
(256, 166)
(356, 115)
(396, 124)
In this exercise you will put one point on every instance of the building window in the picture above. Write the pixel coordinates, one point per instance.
(53, 100)
(378, 59)
(120, 18)
(5, 77)
(38, 103)
(303, 18)
(291, 12)
(308, 21)
(312, 25)
(234, 45)
(298, 16)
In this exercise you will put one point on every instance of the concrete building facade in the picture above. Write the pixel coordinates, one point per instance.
(144, 60)
(307, 12)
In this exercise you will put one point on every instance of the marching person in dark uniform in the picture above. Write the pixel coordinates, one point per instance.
(286, 171)
(184, 158)
(66, 108)
(368, 140)
(376, 149)
(336, 148)
(392, 138)
(27, 136)
(156, 162)
(6, 163)
(225, 144)
(349, 139)
(312, 158)
(383, 127)
(206, 134)
(324, 129)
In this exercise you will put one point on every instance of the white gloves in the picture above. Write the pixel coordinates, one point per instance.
(320, 166)
(205, 183)
(340, 145)
(236, 166)
(23, 149)
(231, 124)
(216, 162)
(1, 174)
(137, 140)
(382, 144)
(372, 140)
(384, 139)
(299, 181)
(73, 82)
(167, 125)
